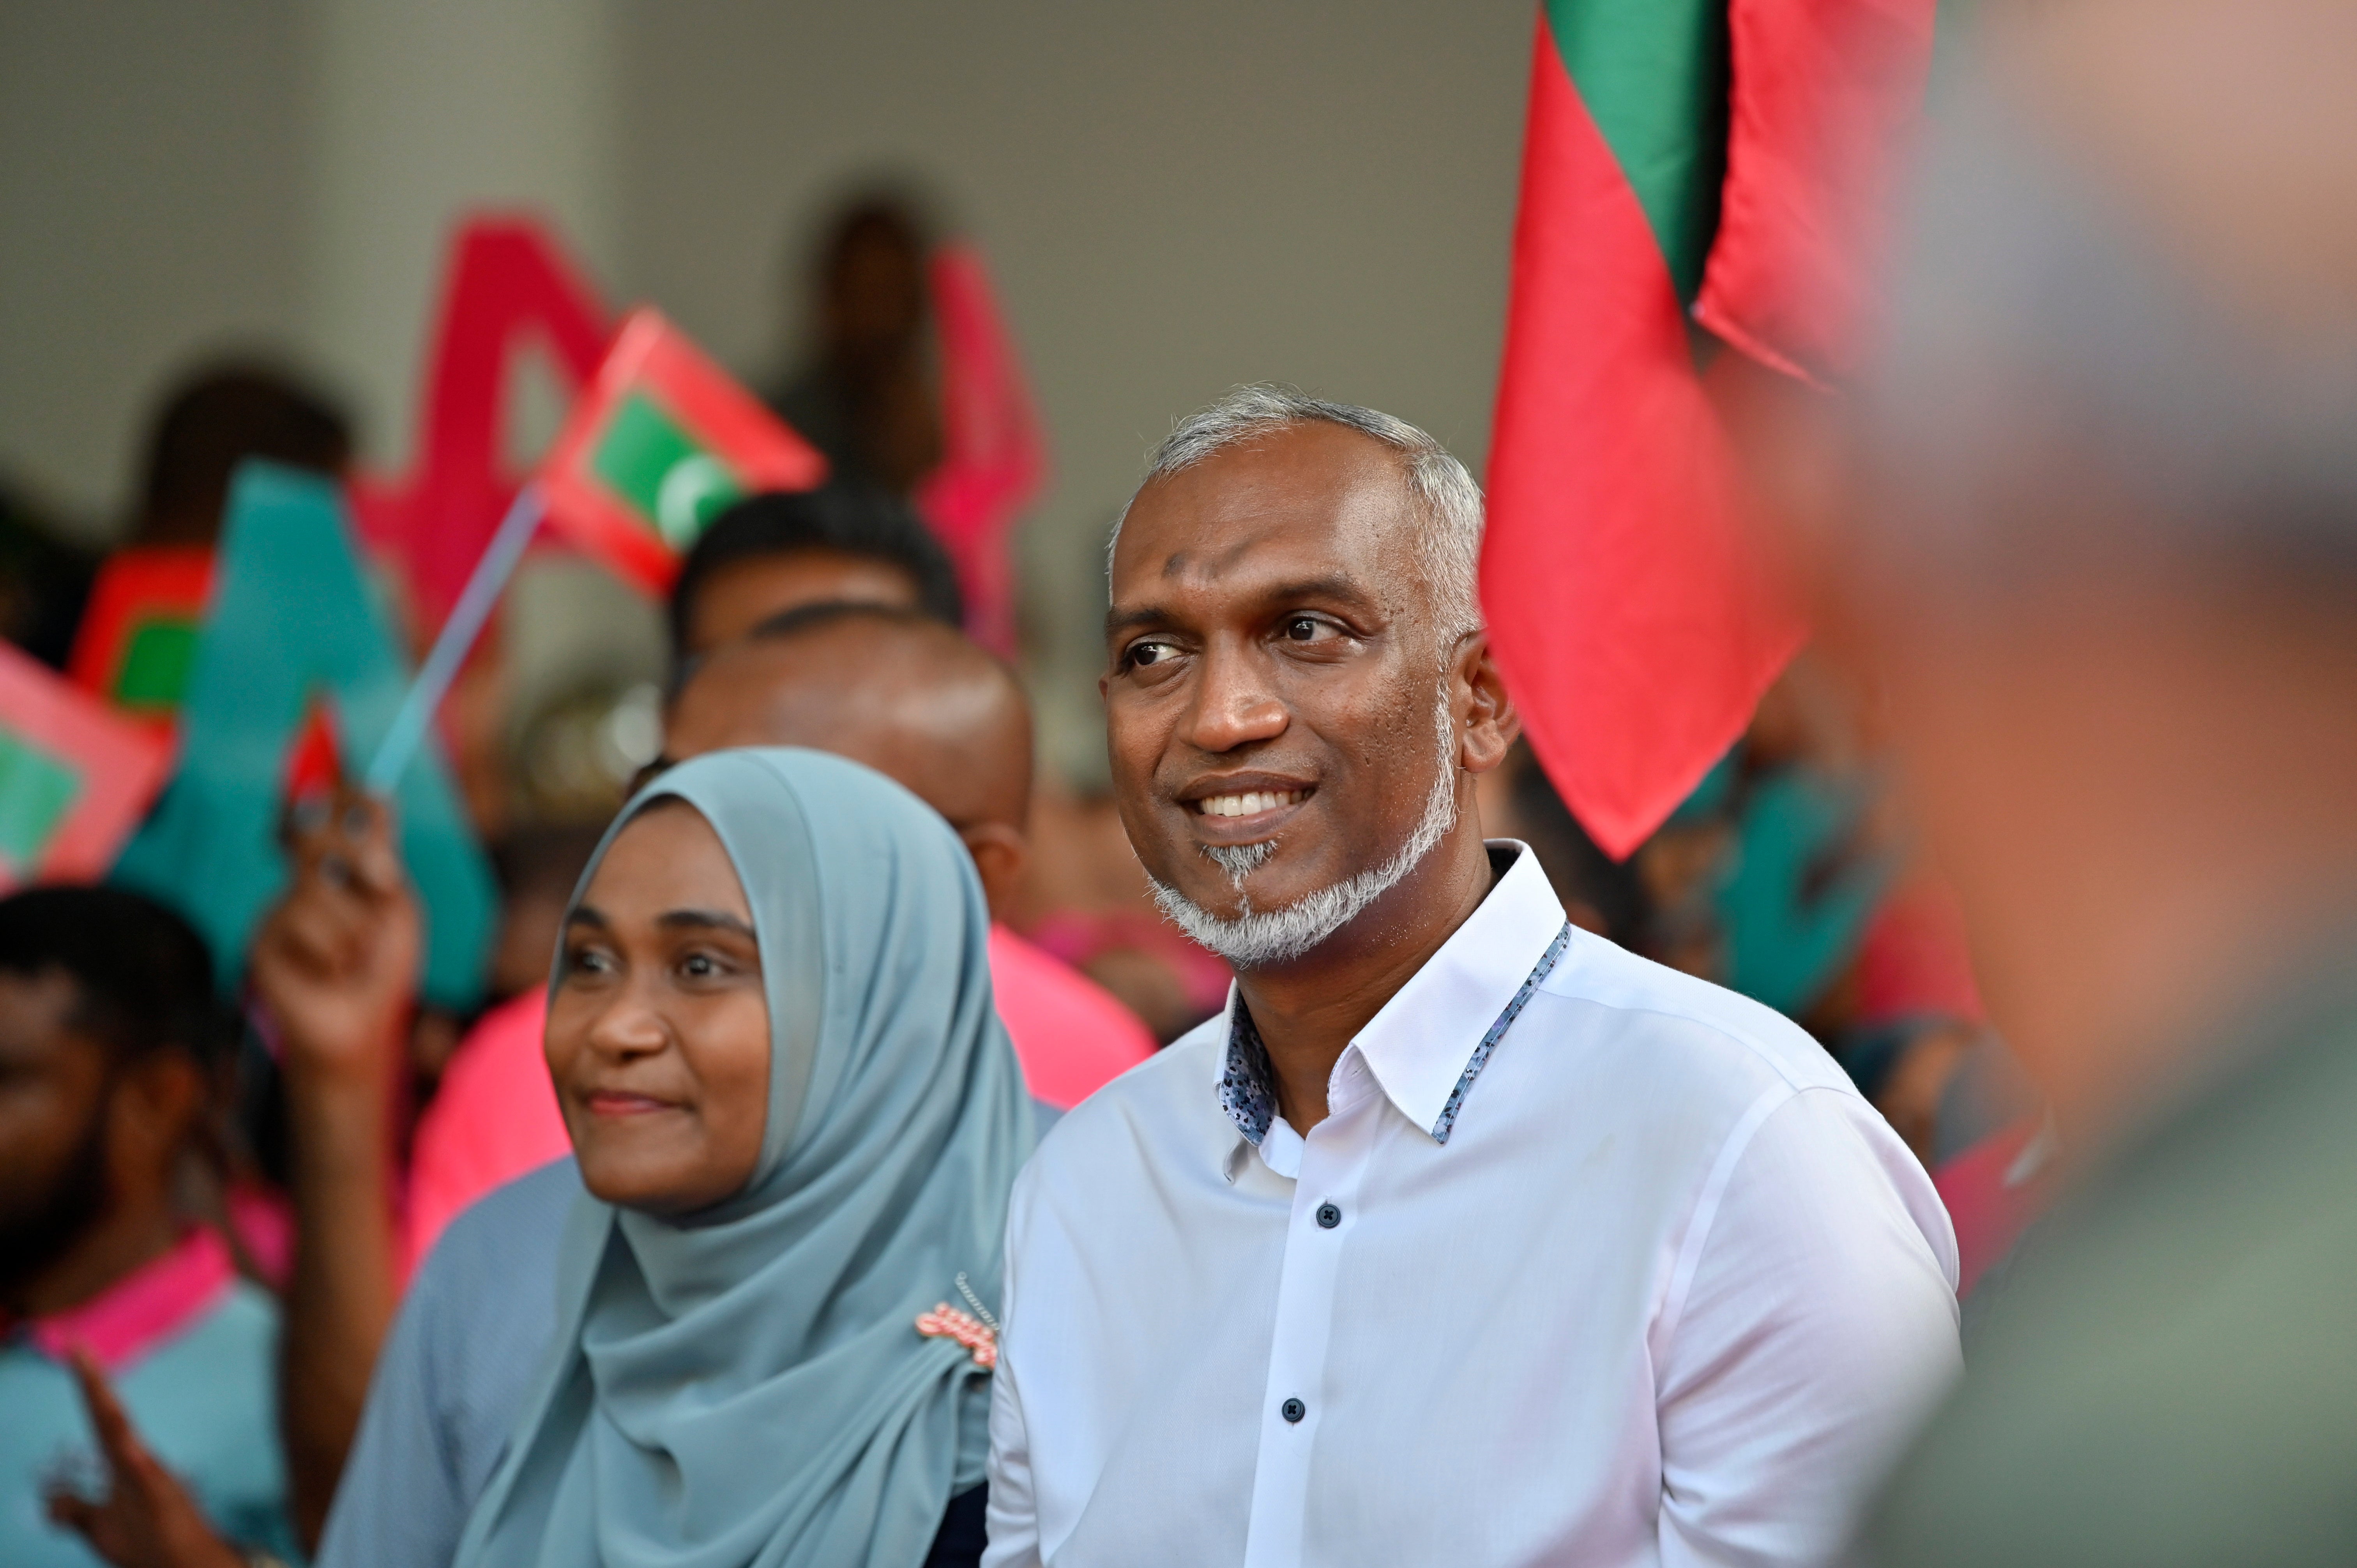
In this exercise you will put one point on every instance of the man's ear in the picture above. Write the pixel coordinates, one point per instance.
(158, 1101)
(1488, 723)
(1000, 851)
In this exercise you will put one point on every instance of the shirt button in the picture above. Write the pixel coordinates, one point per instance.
(1293, 1411)
(1328, 1217)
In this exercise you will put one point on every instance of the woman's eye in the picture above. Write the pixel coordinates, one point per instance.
(700, 966)
(588, 961)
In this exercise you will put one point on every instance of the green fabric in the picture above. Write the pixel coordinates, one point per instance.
(36, 789)
(2167, 1376)
(747, 1385)
(156, 666)
(1799, 888)
(292, 617)
(649, 460)
(1653, 75)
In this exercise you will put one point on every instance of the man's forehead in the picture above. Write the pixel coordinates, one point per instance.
(1306, 492)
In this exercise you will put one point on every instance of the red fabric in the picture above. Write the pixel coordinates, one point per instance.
(1633, 625)
(118, 765)
(995, 459)
(1915, 959)
(1989, 1212)
(1824, 96)
(495, 1117)
(1070, 1033)
(509, 283)
(144, 1307)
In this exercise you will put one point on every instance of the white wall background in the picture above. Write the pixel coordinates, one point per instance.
(1173, 199)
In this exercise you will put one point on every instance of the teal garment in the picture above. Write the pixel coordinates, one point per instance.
(2167, 1378)
(293, 619)
(205, 1400)
(747, 1385)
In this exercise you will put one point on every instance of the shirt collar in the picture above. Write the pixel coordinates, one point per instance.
(143, 1308)
(1431, 1039)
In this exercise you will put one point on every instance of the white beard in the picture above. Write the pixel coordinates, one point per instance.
(1256, 938)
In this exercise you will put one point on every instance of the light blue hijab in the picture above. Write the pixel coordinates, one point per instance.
(747, 1385)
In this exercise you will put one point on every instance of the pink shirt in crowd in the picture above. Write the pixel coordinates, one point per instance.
(495, 1117)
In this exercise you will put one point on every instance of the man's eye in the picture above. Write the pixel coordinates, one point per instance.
(1306, 628)
(1142, 654)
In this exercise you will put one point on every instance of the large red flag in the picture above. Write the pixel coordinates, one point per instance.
(1686, 161)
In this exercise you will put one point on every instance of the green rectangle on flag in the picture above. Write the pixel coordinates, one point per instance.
(156, 666)
(35, 790)
(658, 468)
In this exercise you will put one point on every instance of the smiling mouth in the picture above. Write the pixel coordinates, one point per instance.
(1250, 803)
(614, 1102)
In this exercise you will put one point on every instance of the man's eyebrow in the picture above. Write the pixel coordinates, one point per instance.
(1119, 620)
(703, 920)
(1333, 586)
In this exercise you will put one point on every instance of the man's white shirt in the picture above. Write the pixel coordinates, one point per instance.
(1636, 1278)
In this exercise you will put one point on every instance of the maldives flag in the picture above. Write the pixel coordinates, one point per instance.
(138, 636)
(1700, 180)
(660, 442)
(74, 777)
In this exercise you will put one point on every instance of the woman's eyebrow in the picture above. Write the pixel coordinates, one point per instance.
(704, 919)
(586, 915)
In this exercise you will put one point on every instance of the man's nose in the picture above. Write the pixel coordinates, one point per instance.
(1234, 703)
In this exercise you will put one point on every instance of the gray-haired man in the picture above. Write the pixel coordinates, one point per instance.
(1462, 1236)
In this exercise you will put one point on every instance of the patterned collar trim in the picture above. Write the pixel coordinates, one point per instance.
(1447, 1124)
(1248, 1087)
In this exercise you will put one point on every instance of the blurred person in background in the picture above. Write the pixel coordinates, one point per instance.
(845, 542)
(109, 1045)
(923, 704)
(1464, 1236)
(215, 419)
(2104, 563)
(866, 395)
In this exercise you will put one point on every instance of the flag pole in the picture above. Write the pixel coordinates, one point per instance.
(457, 636)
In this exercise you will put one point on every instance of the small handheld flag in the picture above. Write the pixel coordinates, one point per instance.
(74, 777)
(138, 636)
(660, 442)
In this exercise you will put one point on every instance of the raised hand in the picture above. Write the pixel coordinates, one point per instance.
(146, 1519)
(335, 963)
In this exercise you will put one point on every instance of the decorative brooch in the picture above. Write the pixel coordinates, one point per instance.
(977, 1330)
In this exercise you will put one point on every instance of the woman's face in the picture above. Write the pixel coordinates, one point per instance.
(659, 1032)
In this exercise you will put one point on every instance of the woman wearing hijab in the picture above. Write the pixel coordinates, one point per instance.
(797, 1117)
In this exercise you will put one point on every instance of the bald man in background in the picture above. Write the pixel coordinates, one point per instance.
(921, 702)
(886, 686)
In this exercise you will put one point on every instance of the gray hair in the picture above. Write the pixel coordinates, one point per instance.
(1448, 544)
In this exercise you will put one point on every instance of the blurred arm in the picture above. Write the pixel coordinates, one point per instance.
(334, 964)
